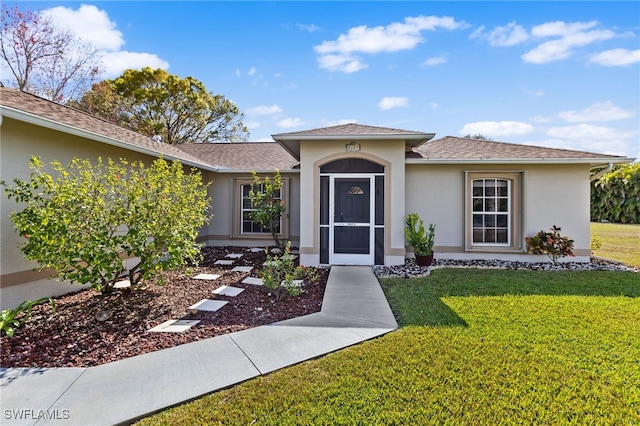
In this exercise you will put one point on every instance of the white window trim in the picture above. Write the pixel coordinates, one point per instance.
(238, 209)
(514, 237)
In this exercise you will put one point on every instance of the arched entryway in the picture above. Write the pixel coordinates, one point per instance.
(352, 212)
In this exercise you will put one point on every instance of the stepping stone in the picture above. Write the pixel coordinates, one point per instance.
(223, 262)
(207, 305)
(242, 269)
(253, 280)
(234, 255)
(206, 277)
(226, 290)
(122, 284)
(174, 326)
(295, 252)
(256, 249)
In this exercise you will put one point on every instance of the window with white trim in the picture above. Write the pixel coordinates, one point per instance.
(492, 211)
(244, 225)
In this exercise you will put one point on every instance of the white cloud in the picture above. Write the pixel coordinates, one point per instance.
(390, 102)
(93, 25)
(602, 111)
(252, 71)
(437, 60)
(434, 105)
(340, 54)
(329, 123)
(309, 28)
(89, 24)
(507, 35)
(290, 122)
(616, 57)
(569, 36)
(497, 128)
(116, 63)
(264, 110)
(584, 132)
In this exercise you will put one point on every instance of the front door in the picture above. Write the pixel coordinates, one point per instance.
(351, 227)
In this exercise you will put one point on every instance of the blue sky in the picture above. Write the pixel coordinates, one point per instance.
(558, 74)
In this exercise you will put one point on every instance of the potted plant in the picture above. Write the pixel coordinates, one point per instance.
(420, 239)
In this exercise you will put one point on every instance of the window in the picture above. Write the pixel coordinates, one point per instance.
(244, 223)
(493, 206)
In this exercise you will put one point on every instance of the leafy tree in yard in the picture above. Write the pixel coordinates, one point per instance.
(615, 196)
(45, 60)
(83, 219)
(154, 102)
(266, 200)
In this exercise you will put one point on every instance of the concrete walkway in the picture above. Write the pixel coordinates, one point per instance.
(354, 309)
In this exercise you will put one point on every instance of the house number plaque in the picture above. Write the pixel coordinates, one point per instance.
(352, 147)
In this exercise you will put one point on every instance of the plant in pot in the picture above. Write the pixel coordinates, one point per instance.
(420, 239)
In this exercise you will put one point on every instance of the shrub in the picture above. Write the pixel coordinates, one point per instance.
(83, 220)
(280, 272)
(417, 237)
(550, 243)
(615, 196)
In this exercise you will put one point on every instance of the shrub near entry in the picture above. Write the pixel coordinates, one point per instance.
(83, 219)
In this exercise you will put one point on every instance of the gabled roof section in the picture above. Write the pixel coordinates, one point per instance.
(42, 112)
(246, 156)
(451, 149)
(352, 132)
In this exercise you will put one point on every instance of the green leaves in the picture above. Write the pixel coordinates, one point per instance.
(83, 220)
(417, 237)
(554, 245)
(615, 196)
(10, 319)
(266, 198)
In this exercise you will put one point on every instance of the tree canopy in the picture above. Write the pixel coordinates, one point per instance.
(45, 60)
(156, 103)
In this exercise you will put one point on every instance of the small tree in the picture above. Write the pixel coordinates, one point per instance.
(551, 243)
(266, 200)
(83, 219)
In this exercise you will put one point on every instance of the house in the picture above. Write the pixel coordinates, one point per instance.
(347, 188)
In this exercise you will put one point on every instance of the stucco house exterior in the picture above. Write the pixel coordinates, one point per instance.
(347, 188)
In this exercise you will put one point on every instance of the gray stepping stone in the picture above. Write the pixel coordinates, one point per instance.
(253, 281)
(234, 255)
(206, 277)
(256, 249)
(294, 283)
(223, 262)
(122, 284)
(174, 326)
(230, 291)
(242, 269)
(207, 305)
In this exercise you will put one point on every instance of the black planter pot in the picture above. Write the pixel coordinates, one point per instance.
(424, 260)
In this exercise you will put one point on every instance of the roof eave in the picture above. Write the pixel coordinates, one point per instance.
(591, 161)
(26, 117)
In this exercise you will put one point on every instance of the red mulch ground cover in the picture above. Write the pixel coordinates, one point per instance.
(73, 337)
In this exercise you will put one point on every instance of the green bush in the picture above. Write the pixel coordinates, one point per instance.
(615, 196)
(82, 220)
(11, 319)
(279, 273)
(266, 200)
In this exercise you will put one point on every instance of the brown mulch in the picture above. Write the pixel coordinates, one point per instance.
(73, 337)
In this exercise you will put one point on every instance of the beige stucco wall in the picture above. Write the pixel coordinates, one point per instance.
(315, 153)
(552, 195)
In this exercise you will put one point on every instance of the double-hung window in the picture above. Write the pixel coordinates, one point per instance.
(244, 223)
(493, 211)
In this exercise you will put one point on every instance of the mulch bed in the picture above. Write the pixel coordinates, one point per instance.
(73, 337)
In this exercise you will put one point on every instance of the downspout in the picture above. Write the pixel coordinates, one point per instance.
(602, 172)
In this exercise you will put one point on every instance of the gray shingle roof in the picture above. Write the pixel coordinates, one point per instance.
(243, 156)
(74, 119)
(352, 129)
(454, 148)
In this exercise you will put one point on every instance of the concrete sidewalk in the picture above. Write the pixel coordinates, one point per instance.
(354, 309)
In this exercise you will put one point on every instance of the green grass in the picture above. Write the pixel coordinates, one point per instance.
(477, 347)
(619, 242)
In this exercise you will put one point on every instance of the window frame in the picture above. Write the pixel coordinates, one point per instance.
(514, 211)
(239, 185)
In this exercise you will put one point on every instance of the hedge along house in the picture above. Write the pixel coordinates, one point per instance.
(347, 188)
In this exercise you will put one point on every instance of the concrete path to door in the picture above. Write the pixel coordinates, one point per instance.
(354, 309)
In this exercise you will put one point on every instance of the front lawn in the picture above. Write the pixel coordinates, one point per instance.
(479, 347)
(619, 242)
